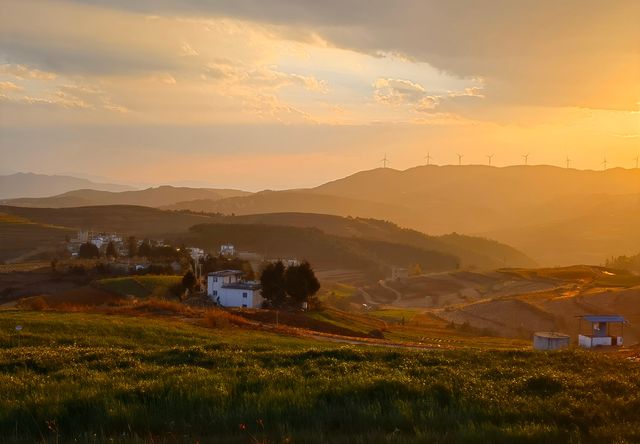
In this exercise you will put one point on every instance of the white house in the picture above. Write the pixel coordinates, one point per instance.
(227, 289)
(227, 250)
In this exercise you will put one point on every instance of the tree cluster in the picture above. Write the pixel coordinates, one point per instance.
(88, 251)
(288, 286)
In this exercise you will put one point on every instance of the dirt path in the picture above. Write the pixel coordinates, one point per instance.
(398, 295)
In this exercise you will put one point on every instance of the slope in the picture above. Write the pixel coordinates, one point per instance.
(41, 185)
(473, 252)
(151, 197)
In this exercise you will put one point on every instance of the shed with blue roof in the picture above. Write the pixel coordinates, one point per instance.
(601, 331)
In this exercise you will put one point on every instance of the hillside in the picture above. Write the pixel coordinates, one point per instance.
(555, 215)
(151, 197)
(518, 302)
(117, 218)
(41, 185)
(291, 201)
(120, 378)
(322, 250)
(473, 252)
(20, 237)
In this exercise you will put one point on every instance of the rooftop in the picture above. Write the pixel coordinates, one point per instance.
(243, 286)
(603, 318)
(224, 273)
(551, 335)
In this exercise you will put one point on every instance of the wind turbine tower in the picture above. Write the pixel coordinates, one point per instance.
(526, 158)
(428, 158)
(568, 162)
(384, 161)
(490, 157)
(604, 163)
(460, 156)
(636, 159)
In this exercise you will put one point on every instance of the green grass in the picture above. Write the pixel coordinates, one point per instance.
(94, 378)
(140, 286)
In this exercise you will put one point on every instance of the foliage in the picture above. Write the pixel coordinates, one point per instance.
(93, 378)
(88, 251)
(629, 263)
(273, 284)
(189, 280)
(301, 283)
(290, 286)
(111, 250)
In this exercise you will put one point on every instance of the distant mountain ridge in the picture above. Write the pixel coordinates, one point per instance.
(41, 185)
(150, 197)
(557, 216)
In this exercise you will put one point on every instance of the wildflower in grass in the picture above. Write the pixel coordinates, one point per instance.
(243, 426)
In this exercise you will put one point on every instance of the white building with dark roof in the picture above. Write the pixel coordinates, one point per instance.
(227, 289)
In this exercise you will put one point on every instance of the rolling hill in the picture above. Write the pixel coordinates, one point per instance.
(473, 252)
(151, 197)
(41, 185)
(557, 216)
(468, 252)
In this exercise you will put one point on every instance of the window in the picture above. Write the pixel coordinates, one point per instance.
(215, 292)
(215, 279)
(244, 305)
(244, 295)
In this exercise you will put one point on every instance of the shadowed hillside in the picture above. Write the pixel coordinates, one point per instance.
(323, 250)
(472, 251)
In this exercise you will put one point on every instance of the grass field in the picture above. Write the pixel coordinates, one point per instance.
(76, 377)
(140, 286)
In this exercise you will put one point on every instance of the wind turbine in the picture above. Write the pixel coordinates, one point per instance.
(636, 159)
(604, 162)
(384, 161)
(428, 158)
(568, 162)
(460, 156)
(526, 158)
(490, 157)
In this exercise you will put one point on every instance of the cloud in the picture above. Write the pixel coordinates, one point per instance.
(401, 92)
(187, 50)
(70, 97)
(10, 86)
(24, 72)
(531, 52)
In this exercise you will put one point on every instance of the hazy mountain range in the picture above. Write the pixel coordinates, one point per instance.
(41, 185)
(557, 216)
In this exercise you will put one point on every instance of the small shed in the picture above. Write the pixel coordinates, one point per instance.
(601, 331)
(550, 340)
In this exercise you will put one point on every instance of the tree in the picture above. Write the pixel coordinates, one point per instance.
(189, 280)
(301, 282)
(111, 250)
(132, 245)
(273, 286)
(145, 249)
(88, 251)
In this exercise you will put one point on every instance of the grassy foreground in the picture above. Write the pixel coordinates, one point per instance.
(97, 378)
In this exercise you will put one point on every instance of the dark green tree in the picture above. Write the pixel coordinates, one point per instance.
(145, 249)
(273, 285)
(189, 280)
(88, 251)
(132, 245)
(111, 250)
(301, 283)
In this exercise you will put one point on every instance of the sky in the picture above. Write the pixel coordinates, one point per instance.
(273, 94)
